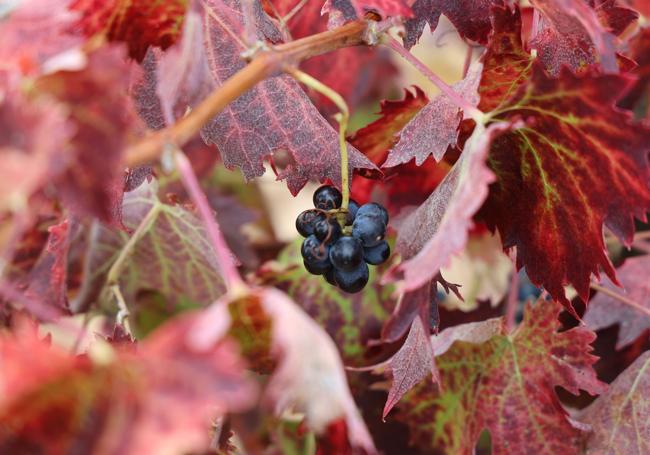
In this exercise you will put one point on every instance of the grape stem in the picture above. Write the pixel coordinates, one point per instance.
(469, 110)
(342, 117)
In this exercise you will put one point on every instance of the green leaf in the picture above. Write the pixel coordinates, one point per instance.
(172, 259)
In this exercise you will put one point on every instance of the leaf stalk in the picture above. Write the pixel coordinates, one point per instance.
(226, 259)
(469, 110)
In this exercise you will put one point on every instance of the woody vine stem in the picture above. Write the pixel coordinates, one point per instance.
(267, 63)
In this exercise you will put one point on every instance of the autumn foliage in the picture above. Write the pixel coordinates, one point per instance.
(149, 302)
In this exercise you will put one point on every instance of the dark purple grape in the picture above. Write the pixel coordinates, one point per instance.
(329, 277)
(353, 281)
(327, 230)
(369, 229)
(377, 254)
(317, 268)
(315, 255)
(346, 254)
(327, 198)
(307, 220)
(353, 207)
(373, 209)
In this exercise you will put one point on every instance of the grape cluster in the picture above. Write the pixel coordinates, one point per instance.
(342, 253)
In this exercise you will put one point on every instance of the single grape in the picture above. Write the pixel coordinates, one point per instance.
(346, 254)
(352, 281)
(327, 230)
(373, 209)
(369, 229)
(377, 254)
(329, 277)
(317, 268)
(307, 220)
(353, 207)
(327, 198)
(315, 253)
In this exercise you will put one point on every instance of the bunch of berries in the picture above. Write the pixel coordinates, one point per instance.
(341, 251)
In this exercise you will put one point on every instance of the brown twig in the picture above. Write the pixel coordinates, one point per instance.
(645, 235)
(513, 300)
(621, 298)
(457, 99)
(641, 246)
(263, 65)
(233, 281)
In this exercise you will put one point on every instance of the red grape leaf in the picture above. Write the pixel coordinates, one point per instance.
(183, 74)
(634, 318)
(614, 16)
(641, 6)
(470, 17)
(47, 280)
(359, 74)
(422, 302)
(89, 176)
(435, 127)
(308, 376)
(274, 115)
(578, 163)
(26, 158)
(411, 364)
(377, 138)
(430, 235)
(403, 185)
(503, 382)
(350, 319)
(572, 35)
(138, 24)
(637, 99)
(36, 38)
(620, 418)
(173, 257)
(409, 306)
(506, 64)
(159, 398)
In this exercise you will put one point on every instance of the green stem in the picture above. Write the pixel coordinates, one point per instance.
(123, 314)
(342, 118)
(116, 269)
(469, 110)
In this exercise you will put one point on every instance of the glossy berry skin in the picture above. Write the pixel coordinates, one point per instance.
(327, 230)
(329, 277)
(353, 208)
(307, 220)
(377, 254)
(327, 198)
(315, 255)
(346, 254)
(369, 229)
(373, 209)
(318, 268)
(353, 281)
